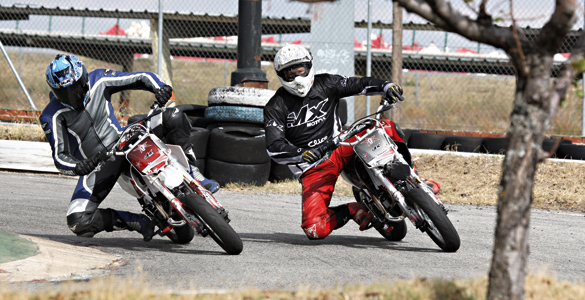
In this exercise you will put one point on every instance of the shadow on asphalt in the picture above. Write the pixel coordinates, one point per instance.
(133, 244)
(352, 241)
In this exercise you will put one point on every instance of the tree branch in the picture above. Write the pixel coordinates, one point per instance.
(554, 32)
(443, 15)
(566, 75)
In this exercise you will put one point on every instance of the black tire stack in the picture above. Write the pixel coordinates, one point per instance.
(415, 139)
(237, 142)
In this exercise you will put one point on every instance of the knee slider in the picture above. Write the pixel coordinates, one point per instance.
(316, 231)
(80, 224)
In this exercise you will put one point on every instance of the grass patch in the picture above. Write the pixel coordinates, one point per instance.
(22, 132)
(474, 180)
(538, 286)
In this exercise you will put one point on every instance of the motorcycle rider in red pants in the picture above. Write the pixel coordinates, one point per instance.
(299, 119)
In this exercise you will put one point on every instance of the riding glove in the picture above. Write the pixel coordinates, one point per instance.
(312, 155)
(163, 95)
(85, 167)
(393, 92)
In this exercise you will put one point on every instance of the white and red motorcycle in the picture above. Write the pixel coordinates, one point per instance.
(386, 183)
(159, 178)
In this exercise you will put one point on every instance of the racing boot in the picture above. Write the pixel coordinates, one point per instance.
(432, 184)
(210, 185)
(135, 222)
(360, 214)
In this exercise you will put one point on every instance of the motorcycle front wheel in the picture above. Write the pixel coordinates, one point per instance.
(219, 230)
(438, 226)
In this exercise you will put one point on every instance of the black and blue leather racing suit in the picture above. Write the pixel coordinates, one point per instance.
(75, 135)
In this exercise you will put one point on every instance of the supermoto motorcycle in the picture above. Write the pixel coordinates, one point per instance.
(384, 180)
(159, 178)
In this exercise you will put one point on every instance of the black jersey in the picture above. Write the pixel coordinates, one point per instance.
(294, 124)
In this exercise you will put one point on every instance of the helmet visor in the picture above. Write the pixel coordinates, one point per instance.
(290, 73)
(72, 95)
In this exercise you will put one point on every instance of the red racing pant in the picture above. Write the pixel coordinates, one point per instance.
(318, 184)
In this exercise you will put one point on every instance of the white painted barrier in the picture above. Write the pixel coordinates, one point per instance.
(31, 156)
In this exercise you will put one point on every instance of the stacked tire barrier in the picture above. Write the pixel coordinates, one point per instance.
(488, 145)
(237, 143)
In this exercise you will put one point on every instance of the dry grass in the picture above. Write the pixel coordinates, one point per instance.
(474, 180)
(538, 287)
(22, 132)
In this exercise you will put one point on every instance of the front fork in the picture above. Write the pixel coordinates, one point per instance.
(177, 205)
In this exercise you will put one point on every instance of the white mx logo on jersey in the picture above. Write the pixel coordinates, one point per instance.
(309, 116)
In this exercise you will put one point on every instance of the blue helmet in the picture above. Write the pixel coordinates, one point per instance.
(68, 79)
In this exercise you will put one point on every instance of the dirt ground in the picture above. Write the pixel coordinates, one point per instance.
(559, 184)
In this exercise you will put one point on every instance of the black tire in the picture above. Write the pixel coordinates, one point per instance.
(224, 172)
(222, 113)
(462, 143)
(241, 96)
(280, 173)
(430, 141)
(221, 232)
(548, 144)
(494, 145)
(192, 110)
(571, 151)
(238, 145)
(183, 234)
(444, 235)
(199, 121)
(407, 134)
(199, 138)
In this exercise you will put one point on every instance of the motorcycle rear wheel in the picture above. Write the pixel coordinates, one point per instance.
(438, 227)
(219, 230)
(399, 229)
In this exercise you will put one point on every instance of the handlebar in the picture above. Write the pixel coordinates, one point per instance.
(105, 154)
(355, 128)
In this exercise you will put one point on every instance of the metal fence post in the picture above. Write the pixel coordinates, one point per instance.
(249, 73)
(17, 77)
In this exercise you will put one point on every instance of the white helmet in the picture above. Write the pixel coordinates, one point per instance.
(294, 67)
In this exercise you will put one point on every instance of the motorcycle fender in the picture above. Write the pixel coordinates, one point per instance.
(125, 183)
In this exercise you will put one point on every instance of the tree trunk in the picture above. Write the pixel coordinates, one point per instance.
(525, 136)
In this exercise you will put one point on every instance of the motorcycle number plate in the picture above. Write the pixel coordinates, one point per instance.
(374, 147)
(148, 157)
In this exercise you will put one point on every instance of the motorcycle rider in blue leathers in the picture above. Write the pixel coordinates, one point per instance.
(79, 123)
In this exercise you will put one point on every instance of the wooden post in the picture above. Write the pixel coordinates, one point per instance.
(397, 54)
(127, 66)
(167, 71)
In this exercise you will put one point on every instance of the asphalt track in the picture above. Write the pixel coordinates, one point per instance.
(276, 253)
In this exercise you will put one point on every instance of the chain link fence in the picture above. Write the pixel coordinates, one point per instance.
(450, 82)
